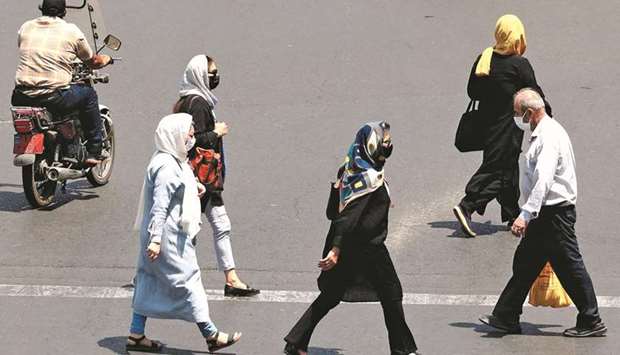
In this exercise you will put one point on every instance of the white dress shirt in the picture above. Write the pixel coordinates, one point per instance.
(549, 176)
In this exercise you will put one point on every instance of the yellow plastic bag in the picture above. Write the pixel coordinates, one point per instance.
(547, 291)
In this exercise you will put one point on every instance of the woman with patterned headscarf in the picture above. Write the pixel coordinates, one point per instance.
(498, 73)
(356, 265)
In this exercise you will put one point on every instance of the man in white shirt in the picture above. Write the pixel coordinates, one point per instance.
(546, 224)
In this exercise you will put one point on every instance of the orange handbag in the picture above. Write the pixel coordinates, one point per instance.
(207, 166)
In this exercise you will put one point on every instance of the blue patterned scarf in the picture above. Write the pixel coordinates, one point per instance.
(362, 172)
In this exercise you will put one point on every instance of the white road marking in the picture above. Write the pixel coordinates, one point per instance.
(267, 296)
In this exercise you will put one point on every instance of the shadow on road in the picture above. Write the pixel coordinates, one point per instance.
(324, 351)
(117, 346)
(527, 329)
(14, 201)
(482, 229)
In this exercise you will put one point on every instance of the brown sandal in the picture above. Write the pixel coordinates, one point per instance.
(222, 340)
(155, 346)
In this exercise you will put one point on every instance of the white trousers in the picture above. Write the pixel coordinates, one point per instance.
(220, 223)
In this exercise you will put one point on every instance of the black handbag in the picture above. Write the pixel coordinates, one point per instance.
(470, 133)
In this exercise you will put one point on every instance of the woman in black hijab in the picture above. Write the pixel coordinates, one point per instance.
(356, 265)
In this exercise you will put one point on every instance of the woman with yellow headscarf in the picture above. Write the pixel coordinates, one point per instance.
(497, 74)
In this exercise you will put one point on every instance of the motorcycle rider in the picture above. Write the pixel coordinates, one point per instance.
(47, 47)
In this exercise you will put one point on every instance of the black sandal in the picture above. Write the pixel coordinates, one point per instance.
(292, 349)
(155, 346)
(215, 344)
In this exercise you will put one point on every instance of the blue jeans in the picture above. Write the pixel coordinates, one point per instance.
(79, 98)
(138, 323)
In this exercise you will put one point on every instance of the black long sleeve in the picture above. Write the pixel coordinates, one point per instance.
(528, 78)
(347, 220)
(475, 87)
(204, 123)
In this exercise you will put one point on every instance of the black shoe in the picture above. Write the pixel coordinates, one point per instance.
(495, 322)
(597, 330)
(96, 158)
(230, 291)
(464, 219)
(290, 349)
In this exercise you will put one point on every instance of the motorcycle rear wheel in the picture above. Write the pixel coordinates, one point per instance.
(100, 174)
(39, 190)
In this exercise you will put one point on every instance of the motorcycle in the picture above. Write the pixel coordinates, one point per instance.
(50, 148)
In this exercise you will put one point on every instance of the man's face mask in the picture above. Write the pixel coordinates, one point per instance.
(214, 79)
(519, 122)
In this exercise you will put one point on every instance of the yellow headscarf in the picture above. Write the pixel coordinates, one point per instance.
(509, 40)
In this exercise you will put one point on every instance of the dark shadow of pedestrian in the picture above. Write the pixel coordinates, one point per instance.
(527, 329)
(324, 351)
(482, 229)
(117, 346)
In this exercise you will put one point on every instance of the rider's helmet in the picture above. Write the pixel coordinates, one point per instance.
(54, 8)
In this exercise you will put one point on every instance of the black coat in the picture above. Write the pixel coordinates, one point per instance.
(495, 92)
(364, 267)
(204, 123)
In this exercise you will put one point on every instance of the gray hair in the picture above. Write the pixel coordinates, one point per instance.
(528, 98)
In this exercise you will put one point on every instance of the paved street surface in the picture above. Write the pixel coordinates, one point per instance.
(298, 79)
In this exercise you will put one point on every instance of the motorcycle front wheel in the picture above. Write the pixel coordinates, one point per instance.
(39, 190)
(100, 174)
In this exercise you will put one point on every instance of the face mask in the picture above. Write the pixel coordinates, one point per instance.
(519, 122)
(190, 143)
(214, 80)
(387, 151)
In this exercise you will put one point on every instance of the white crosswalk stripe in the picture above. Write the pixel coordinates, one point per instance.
(268, 296)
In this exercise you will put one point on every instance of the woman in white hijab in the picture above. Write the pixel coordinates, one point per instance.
(196, 98)
(168, 283)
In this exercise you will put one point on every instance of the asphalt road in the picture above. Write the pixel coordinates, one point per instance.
(298, 79)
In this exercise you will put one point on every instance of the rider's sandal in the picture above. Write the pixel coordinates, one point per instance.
(137, 345)
(222, 340)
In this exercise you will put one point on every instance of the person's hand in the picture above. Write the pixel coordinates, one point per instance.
(330, 260)
(221, 128)
(152, 251)
(201, 189)
(106, 59)
(518, 227)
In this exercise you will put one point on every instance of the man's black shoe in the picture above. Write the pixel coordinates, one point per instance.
(597, 330)
(464, 219)
(495, 322)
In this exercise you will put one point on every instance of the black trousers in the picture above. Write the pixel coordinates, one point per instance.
(382, 279)
(550, 238)
(77, 97)
(494, 182)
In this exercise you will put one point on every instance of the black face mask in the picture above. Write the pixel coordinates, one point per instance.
(214, 80)
(386, 152)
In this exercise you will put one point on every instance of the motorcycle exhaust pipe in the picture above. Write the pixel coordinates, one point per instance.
(62, 174)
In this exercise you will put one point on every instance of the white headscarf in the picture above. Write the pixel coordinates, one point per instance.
(196, 80)
(170, 137)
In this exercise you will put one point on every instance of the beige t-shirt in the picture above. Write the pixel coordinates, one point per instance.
(47, 47)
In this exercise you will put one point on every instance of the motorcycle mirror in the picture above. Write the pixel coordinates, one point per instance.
(75, 4)
(112, 42)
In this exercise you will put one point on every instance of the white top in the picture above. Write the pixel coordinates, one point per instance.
(549, 172)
